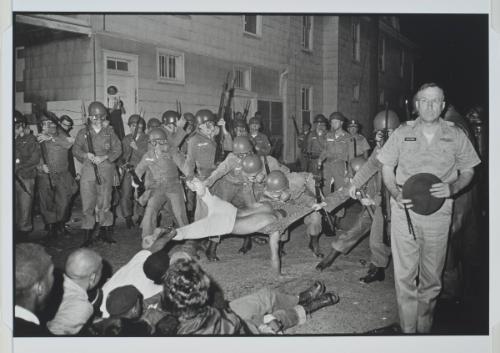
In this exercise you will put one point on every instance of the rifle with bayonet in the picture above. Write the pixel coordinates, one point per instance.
(320, 197)
(383, 191)
(90, 145)
(295, 127)
(245, 111)
(43, 147)
(223, 113)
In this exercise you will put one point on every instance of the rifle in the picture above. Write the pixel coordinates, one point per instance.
(362, 195)
(383, 190)
(407, 110)
(54, 119)
(90, 145)
(126, 166)
(22, 184)
(318, 186)
(295, 126)
(44, 151)
(178, 107)
(224, 103)
(245, 111)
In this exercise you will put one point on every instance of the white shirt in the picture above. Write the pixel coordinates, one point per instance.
(25, 314)
(131, 273)
(74, 312)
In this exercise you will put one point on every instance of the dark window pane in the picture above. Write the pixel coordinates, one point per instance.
(111, 64)
(122, 65)
(251, 24)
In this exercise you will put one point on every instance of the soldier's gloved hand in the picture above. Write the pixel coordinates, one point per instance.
(378, 136)
(91, 157)
(43, 137)
(221, 122)
(70, 139)
(134, 145)
(367, 201)
(260, 178)
(318, 206)
(352, 191)
(99, 159)
(45, 168)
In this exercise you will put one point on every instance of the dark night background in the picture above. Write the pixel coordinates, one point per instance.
(453, 53)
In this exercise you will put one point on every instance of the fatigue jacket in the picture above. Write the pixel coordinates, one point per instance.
(27, 153)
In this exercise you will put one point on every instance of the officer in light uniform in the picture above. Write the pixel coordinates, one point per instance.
(96, 199)
(359, 145)
(427, 145)
(260, 141)
(27, 157)
(54, 203)
(133, 150)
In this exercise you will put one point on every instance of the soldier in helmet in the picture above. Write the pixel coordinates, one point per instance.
(359, 145)
(27, 158)
(302, 142)
(162, 161)
(56, 185)
(316, 142)
(174, 127)
(151, 124)
(115, 110)
(240, 128)
(260, 141)
(134, 146)
(190, 130)
(418, 241)
(96, 197)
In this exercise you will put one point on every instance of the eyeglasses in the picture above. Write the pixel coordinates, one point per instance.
(97, 117)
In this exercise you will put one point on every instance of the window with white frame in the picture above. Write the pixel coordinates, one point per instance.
(252, 24)
(242, 78)
(170, 66)
(307, 32)
(381, 54)
(401, 62)
(118, 65)
(306, 100)
(355, 92)
(356, 40)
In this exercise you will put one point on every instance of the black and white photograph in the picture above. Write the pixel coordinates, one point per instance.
(270, 175)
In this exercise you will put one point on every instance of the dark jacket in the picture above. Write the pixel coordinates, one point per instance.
(212, 321)
(23, 328)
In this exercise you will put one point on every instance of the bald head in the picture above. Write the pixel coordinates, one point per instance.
(82, 263)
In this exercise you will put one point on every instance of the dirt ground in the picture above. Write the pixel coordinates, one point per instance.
(362, 306)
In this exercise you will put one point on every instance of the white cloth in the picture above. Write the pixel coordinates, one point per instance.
(25, 314)
(131, 273)
(74, 312)
(220, 220)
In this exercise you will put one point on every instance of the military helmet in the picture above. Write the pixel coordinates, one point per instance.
(417, 189)
(134, 119)
(379, 122)
(337, 116)
(97, 109)
(204, 115)
(277, 181)
(153, 122)
(19, 118)
(356, 163)
(66, 118)
(239, 123)
(112, 90)
(169, 117)
(189, 117)
(254, 120)
(320, 118)
(242, 144)
(353, 123)
(157, 134)
(251, 164)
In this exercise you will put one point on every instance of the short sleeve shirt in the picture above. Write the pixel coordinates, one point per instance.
(449, 151)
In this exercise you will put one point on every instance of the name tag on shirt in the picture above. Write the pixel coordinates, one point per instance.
(203, 144)
(410, 139)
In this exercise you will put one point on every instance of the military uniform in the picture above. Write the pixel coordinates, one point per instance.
(27, 154)
(261, 144)
(165, 186)
(54, 203)
(407, 149)
(359, 145)
(335, 155)
(97, 198)
(315, 144)
(303, 158)
(134, 156)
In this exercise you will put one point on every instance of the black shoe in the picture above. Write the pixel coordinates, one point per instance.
(212, 251)
(129, 222)
(328, 260)
(247, 245)
(314, 246)
(374, 274)
(105, 235)
(311, 293)
(392, 329)
(88, 238)
(325, 299)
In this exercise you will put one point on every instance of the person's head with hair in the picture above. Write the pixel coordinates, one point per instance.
(186, 287)
(156, 265)
(125, 302)
(34, 276)
(430, 102)
(84, 267)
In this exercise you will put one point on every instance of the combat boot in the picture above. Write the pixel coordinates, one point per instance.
(374, 274)
(328, 260)
(325, 299)
(129, 222)
(247, 245)
(314, 246)
(212, 251)
(311, 293)
(105, 235)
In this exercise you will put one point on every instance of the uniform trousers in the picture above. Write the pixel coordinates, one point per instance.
(96, 199)
(423, 257)
(128, 205)
(54, 203)
(24, 203)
